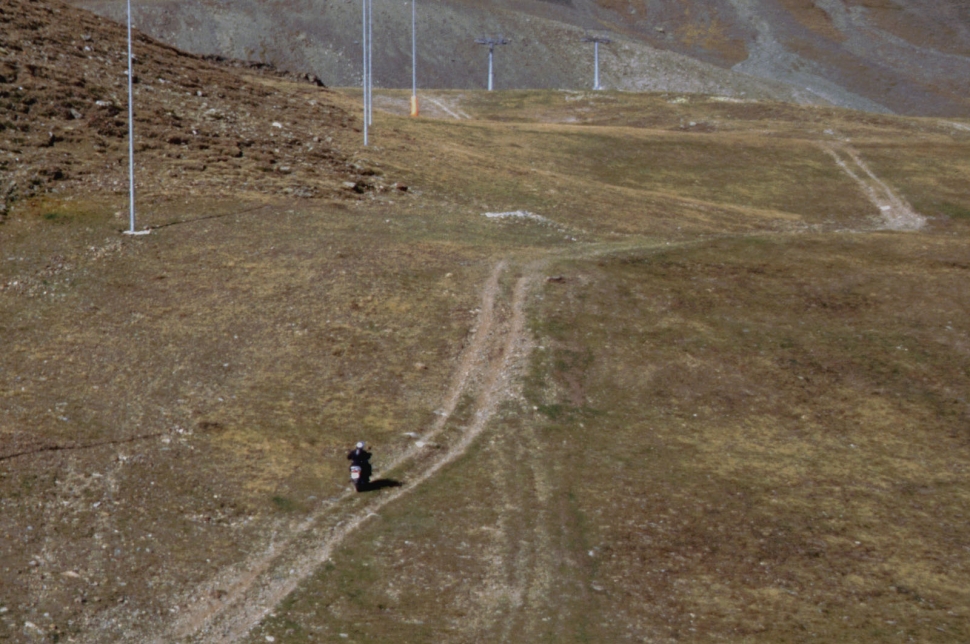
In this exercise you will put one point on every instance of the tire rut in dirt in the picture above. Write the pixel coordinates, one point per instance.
(894, 211)
(486, 368)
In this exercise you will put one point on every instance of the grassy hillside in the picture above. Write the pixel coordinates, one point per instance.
(740, 420)
(757, 439)
(633, 367)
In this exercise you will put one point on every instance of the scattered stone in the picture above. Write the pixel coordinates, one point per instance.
(52, 127)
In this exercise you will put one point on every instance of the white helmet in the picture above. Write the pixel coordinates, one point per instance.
(360, 445)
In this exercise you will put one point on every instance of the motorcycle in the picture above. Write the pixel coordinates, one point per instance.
(359, 477)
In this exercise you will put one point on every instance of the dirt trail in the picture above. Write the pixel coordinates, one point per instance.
(958, 126)
(437, 107)
(893, 209)
(517, 599)
(249, 593)
(452, 110)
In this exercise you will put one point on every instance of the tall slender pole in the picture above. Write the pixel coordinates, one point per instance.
(367, 63)
(491, 72)
(596, 58)
(596, 40)
(414, 51)
(414, 59)
(370, 62)
(364, 66)
(491, 42)
(131, 135)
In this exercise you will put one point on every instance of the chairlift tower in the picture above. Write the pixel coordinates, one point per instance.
(491, 42)
(596, 40)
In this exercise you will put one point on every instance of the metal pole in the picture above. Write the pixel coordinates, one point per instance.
(367, 63)
(363, 80)
(596, 40)
(370, 62)
(491, 54)
(414, 59)
(131, 135)
(596, 64)
(491, 42)
(414, 50)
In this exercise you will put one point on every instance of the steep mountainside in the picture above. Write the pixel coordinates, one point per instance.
(904, 56)
(199, 125)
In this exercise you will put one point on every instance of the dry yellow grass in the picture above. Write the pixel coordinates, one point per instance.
(742, 418)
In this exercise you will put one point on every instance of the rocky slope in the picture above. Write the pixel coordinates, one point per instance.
(904, 56)
(200, 125)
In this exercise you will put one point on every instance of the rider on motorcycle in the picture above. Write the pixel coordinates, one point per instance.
(360, 456)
